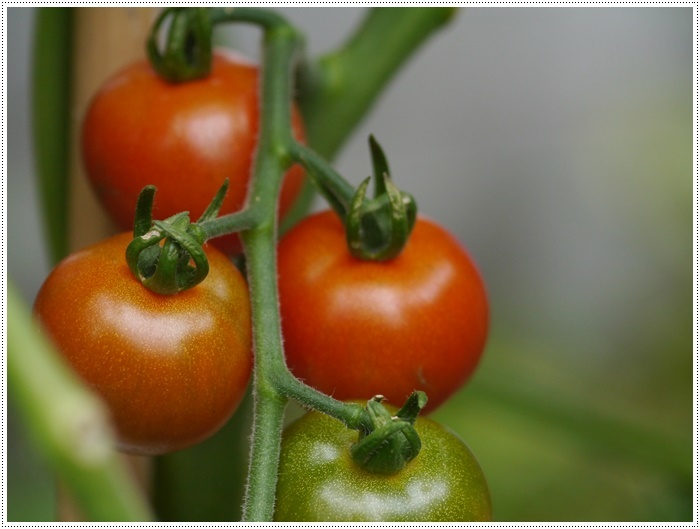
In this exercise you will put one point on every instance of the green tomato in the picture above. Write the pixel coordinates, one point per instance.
(319, 481)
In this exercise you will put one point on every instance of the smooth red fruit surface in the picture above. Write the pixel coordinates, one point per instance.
(172, 369)
(354, 329)
(185, 139)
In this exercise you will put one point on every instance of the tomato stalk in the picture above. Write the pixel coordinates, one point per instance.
(273, 383)
(233, 222)
(376, 229)
(188, 49)
(335, 189)
(338, 89)
(281, 45)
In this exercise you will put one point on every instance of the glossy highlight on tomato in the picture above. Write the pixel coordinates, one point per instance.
(171, 369)
(354, 329)
(185, 139)
(319, 481)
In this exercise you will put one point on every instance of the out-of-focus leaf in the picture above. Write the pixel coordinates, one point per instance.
(558, 446)
(51, 120)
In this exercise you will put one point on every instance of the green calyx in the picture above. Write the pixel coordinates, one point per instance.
(167, 256)
(393, 442)
(376, 229)
(187, 54)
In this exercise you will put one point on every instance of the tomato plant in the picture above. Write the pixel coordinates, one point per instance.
(172, 369)
(319, 481)
(185, 139)
(353, 328)
(160, 324)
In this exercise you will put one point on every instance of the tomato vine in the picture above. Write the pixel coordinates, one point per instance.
(393, 212)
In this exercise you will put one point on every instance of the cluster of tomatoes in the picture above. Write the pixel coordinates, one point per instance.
(172, 369)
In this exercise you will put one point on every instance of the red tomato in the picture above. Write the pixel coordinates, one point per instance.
(183, 138)
(354, 329)
(172, 369)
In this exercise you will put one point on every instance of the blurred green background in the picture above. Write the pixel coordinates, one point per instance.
(556, 143)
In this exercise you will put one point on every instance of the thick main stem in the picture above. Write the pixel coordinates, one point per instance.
(273, 383)
(268, 407)
(280, 47)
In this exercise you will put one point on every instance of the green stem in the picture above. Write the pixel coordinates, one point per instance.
(187, 55)
(268, 405)
(68, 423)
(266, 19)
(233, 222)
(339, 88)
(281, 45)
(336, 190)
(354, 416)
(51, 120)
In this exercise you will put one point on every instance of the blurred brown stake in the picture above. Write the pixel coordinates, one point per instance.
(106, 39)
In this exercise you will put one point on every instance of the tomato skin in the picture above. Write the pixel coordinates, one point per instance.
(319, 481)
(183, 138)
(354, 329)
(171, 369)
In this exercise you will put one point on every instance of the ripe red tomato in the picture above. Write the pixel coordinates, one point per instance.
(183, 138)
(319, 481)
(172, 369)
(354, 329)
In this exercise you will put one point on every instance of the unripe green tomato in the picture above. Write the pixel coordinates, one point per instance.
(319, 481)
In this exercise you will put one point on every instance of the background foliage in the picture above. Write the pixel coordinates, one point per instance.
(556, 143)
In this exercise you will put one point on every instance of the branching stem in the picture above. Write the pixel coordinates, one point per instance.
(281, 46)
